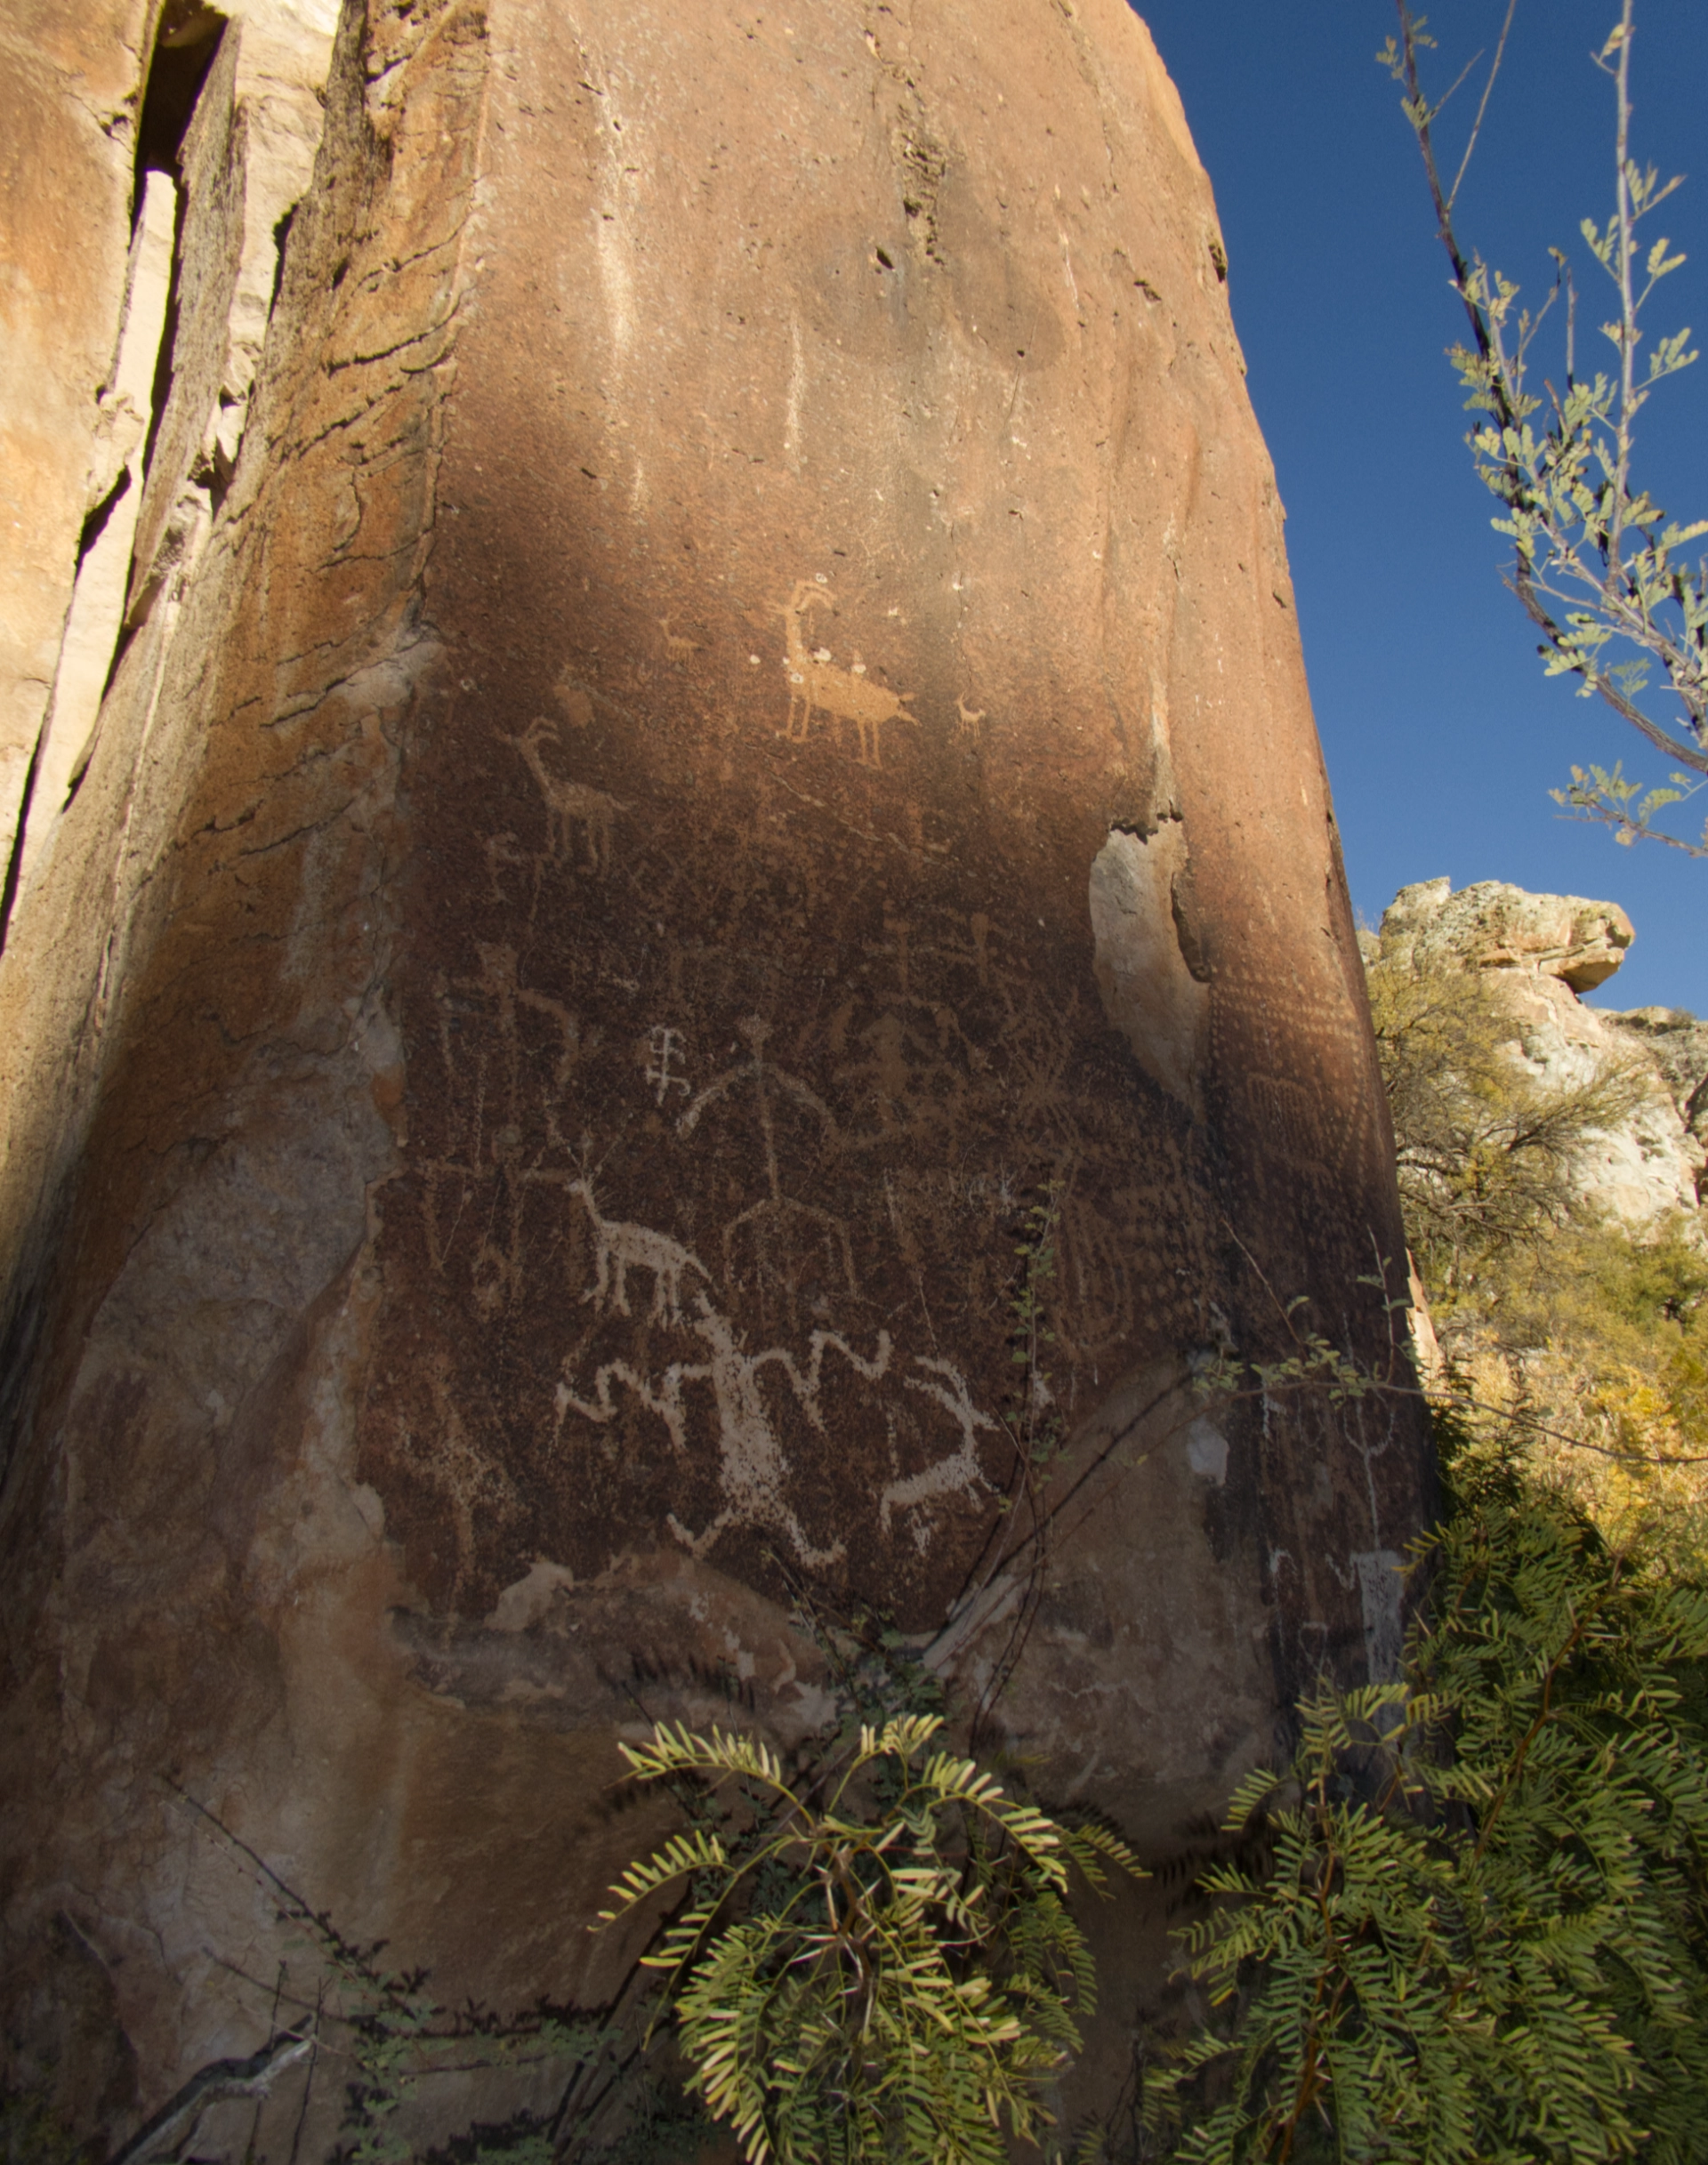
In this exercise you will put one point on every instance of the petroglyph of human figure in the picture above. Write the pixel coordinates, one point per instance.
(752, 1471)
(619, 1247)
(766, 1079)
(664, 1049)
(958, 1474)
(816, 686)
(567, 803)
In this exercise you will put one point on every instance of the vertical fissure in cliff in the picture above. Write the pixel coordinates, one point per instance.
(225, 141)
(131, 404)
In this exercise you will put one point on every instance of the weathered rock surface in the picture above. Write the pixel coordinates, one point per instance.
(737, 719)
(66, 78)
(111, 498)
(1543, 951)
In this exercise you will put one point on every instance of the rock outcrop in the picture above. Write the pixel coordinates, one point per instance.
(1543, 951)
(718, 714)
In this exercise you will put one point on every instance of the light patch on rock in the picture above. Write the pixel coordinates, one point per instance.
(1149, 993)
(1206, 1451)
(526, 1599)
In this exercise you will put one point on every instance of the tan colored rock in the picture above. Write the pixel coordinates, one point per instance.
(1543, 951)
(248, 157)
(68, 85)
(1495, 926)
(580, 936)
(1677, 1042)
(93, 622)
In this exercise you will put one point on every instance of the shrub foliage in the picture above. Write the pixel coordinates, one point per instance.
(887, 1969)
(1481, 1935)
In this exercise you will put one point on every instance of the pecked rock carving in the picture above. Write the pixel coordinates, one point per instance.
(517, 1129)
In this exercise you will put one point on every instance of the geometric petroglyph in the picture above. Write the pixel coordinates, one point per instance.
(664, 1049)
(816, 685)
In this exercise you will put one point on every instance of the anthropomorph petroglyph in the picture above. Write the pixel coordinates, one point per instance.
(766, 1079)
(752, 1471)
(752, 1464)
(664, 1049)
(567, 803)
(619, 1247)
(816, 685)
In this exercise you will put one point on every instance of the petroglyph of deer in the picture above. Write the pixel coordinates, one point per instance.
(567, 802)
(619, 1247)
(959, 1474)
(676, 648)
(816, 686)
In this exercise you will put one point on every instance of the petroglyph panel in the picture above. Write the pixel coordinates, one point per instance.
(717, 1155)
(833, 826)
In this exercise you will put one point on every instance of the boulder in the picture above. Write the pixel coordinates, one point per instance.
(714, 808)
(1492, 925)
(1543, 951)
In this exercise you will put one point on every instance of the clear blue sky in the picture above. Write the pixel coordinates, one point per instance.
(1442, 735)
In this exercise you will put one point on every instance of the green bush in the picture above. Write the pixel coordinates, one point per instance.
(1482, 1934)
(883, 1964)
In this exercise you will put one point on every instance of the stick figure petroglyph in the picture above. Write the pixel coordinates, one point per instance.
(663, 1046)
(619, 1247)
(766, 1078)
(753, 1469)
(568, 801)
(968, 721)
(816, 686)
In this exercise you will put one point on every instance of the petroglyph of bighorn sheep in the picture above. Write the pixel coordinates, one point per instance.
(677, 648)
(619, 1247)
(816, 686)
(753, 1469)
(959, 1474)
(567, 802)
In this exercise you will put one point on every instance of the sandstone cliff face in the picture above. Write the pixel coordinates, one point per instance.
(735, 719)
(1543, 951)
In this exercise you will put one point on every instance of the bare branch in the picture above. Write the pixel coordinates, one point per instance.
(1477, 125)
